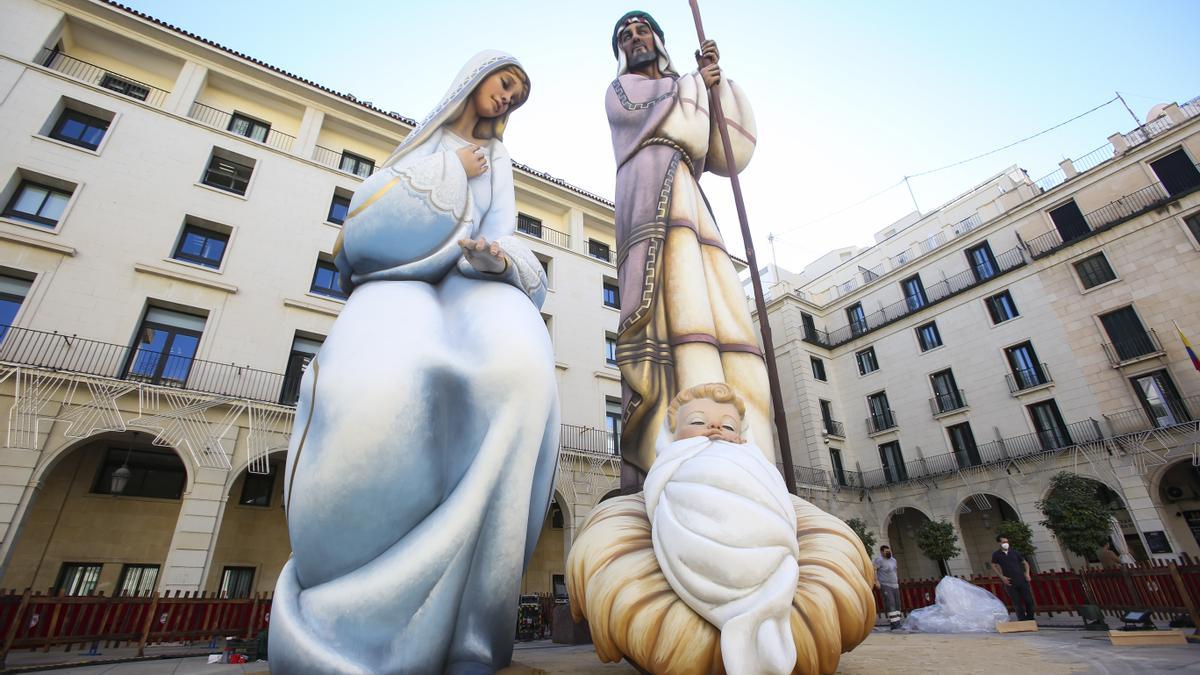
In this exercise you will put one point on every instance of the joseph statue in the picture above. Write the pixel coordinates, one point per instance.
(684, 315)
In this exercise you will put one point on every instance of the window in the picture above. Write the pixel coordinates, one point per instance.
(1094, 270)
(1027, 371)
(1001, 307)
(914, 292)
(37, 203)
(77, 578)
(858, 320)
(928, 336)
(983, 263)
(810, 327)
(818, 368)
(1160, 399)
(165, 347)
(1193, 223)
(339, 208)
(612, 425)
(1129, 337)
(599, 249)
(529, 225)
(881, 416)
(154, 473)
(610, 350)
(612, 295)
(257, 487)
(1069, 221)
(831, 426)
(892, 460)
(327, 280)
(137, 580)
(230, 173)
(1177, 172)
(201, 246)
(558, 582)
(839, 473)
(1048, 423)
(866, 361)
(79, 129)
(250, 128)
(304, 350)
(130, 88)
(356, 164)
(962, 443)
(236, 582)
(12, 294)
(946, 394)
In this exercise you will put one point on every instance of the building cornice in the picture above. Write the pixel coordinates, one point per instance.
(34, 242)
(182, 276)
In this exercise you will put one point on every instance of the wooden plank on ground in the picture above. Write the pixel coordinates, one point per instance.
(1016, 627)
(1145, 638)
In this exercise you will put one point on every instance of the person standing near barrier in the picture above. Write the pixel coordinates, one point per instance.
(1013, 570)
(888, 583)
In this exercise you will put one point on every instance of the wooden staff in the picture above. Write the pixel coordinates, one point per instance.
(760, 305)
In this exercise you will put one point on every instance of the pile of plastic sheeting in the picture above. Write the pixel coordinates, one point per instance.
(961, 607)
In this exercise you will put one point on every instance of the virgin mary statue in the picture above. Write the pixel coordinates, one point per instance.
(423, 456)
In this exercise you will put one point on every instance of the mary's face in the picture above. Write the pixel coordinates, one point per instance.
(496, 94)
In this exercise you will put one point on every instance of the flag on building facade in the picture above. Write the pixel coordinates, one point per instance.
(1188, 346)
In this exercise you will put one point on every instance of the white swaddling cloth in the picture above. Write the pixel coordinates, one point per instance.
(724, 532)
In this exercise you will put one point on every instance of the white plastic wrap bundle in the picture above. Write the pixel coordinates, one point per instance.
(724, 532)
(962, 607)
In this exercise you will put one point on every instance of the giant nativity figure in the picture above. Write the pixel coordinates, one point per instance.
(425, 445)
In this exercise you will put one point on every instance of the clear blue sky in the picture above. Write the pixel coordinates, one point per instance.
(849, 96)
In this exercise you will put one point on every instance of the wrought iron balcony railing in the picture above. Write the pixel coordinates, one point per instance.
(944, 403)
(1028, 378)
(586, 439)
(73, 354)
(219, 119)
(342, 162)
(881, 421)
(934, 293)
(1116, 211)
(537, 230)
(1161, 414)
(101, 77)
(1132, 347)
(834, 428)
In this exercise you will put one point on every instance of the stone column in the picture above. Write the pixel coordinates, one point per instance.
(1120, 145)
(195, 534)
(1049, 554)
(575, 229)
(1145, 514)
(1068, 168)
(1175, 114)
(188, 86)
(310, 129)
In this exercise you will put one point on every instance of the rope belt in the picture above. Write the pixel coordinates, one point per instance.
(658, 140)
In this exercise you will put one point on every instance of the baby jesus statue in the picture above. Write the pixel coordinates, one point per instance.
(715, 567)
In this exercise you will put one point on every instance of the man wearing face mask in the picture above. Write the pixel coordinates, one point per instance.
(1013, 570)
(888, 583)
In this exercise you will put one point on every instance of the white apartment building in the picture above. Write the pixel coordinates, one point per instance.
(169, 207)
(1024, 328)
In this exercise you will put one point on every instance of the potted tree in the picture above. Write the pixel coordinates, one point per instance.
(864, 535)
(939, 542)
(1075, 513)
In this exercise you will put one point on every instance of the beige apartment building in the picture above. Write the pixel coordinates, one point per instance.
(169, 208)
(1024, 328)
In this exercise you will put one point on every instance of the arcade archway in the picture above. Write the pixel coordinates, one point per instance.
(252, 544)
(102, 520)
(546, 572)
(1123, 532)
(978, 516)
(902, 526)
(1179, 499)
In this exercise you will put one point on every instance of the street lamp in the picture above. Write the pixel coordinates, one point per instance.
(120, 477)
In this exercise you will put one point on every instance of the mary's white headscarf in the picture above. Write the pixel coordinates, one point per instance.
(476, 70)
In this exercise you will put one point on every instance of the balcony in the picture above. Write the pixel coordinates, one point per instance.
(600, 251)
(219, 119)
(833, 428)
(1027, 379)
(941, 404)
(1157, 415)
(880, 422)
(342, 161)
(1115, 212)
(577, 438)
(1134, 348)
(935, 293)
(967, 224)
(72, 354)
(535, 229)
(988, 454)
(100, 77)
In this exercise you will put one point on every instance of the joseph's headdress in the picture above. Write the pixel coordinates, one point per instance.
(637, 16)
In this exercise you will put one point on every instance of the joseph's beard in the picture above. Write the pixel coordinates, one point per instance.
(641, 60)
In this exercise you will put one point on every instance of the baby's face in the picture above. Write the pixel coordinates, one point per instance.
(706, 417)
